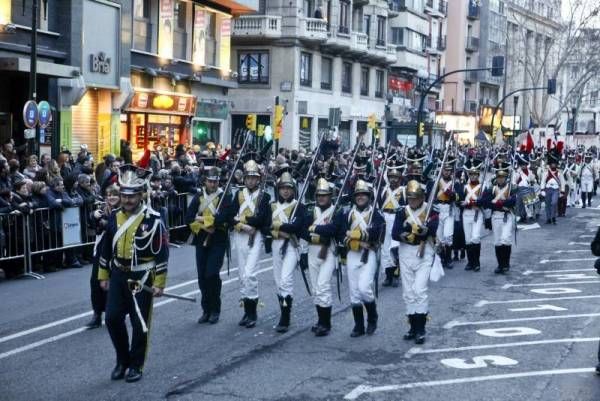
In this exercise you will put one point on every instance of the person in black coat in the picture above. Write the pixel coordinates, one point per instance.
(211, 240)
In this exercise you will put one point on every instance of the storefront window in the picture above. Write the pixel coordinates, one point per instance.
(205, 131)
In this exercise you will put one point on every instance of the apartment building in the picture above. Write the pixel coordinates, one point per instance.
(313, 55)
(418, 30)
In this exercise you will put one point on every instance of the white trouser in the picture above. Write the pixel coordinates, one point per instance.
(445, 230)
(503, 231)
(361, 276)
(471, 227)
(587, 184)
(283, 267)
(248, 259)
(415, 277)
(320, 272)
(386, 256)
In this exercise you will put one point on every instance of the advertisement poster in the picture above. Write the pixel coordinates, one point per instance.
(71, 226)
(165, 29)
(224, 23)
(199, 37)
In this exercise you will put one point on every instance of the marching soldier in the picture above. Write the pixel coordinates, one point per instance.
(501, 199)
(252, 222)
(391, 200)
(472, 214)
(285, 231)
(587, 177)
(552, 185)
(133, 269)
(524, 180)
(320, 235)
(361, 241)
(446, 195)
(211, 240)
(415, 233)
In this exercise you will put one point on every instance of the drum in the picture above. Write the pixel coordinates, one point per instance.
(530, 199)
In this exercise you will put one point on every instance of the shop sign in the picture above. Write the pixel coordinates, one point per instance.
(100, 63)
(161, 103)
(45, 116)
(215, 109)
(30, 114)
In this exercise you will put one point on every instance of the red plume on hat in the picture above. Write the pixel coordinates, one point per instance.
(560, 146)
(549, 144)
(527, 145)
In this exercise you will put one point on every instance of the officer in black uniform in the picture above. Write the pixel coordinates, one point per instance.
(211, 239)
(133, 269)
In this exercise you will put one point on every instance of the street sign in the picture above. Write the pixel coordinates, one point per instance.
(44, 113)
(30, 114)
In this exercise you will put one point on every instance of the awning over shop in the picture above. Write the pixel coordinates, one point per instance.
(238, 7)
(19, 64)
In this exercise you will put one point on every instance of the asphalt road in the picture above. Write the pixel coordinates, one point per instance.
(532, 334)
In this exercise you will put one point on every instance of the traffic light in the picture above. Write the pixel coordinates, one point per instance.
(251, 122)
(421, 129)
(498, 66)
(260, 130)
(551, 86)
(376, 133)
(278, 121)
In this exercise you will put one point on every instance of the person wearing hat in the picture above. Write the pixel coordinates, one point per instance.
(285, 230)
(391, 199)
(586, 176)
(501, 199)
(472, 214)
(251, 222)
(320, 234)
(358, 237)
(571, 182)
(551, 186)
(446, 194)
(414, 229)
(135, 254)
(208, 217)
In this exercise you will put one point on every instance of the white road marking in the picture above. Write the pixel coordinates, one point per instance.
(526, 227)
(572, 251)
(82, 315)
(417, 350)
(485, 302)
(555, 291)
(539, 307)
(456, 323)
(544, 261)
(586, 236)
(571, 276)
(479, 362)
(578, 243)
(366, 389)
(592, 281)
(509, 332)
(528, 272)
(82, 329)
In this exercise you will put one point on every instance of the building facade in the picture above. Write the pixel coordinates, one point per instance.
(313, 56)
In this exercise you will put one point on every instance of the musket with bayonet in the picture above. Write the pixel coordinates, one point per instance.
(261, 191)
(483, 181)
(228, 185)
(432, 194)
(137, 286)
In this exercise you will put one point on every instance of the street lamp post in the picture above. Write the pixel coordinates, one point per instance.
(515, 104)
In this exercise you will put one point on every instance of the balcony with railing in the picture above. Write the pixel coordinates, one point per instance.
(266, 26)
(472, 44)
(142, 35)
(473, 11)
(314, 29)
(390, 53)
(360, 41)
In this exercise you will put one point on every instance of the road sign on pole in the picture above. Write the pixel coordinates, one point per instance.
(30, 114)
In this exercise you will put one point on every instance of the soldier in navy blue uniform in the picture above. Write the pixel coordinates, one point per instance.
(211, 239)
(416, 232)
(501, 199)
(135, 255)
(251, 231)
(361, 234)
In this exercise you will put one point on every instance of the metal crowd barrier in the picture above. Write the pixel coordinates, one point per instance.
(53, 230)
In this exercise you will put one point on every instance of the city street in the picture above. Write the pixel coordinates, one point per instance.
(532, 334)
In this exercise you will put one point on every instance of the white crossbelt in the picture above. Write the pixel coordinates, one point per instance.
(471, 192)
(392, 196)
(413, 217)
(444, 186)
(359, 219)
(279, 212)
(322, 216)
(249, 199)
(501, 193)
(207, 202)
